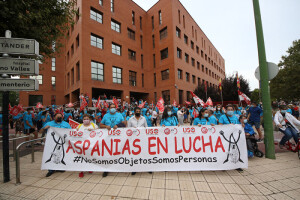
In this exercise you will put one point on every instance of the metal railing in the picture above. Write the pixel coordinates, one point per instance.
(18, 181)
(14, 140)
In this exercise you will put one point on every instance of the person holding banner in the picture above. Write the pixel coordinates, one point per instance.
(203, 118)
(148, 118)
(167, 118)
(180, 115)
(137, 120)
(229, 117)
(112, 119)
(219, 112)
(58, 123)
(86, 125)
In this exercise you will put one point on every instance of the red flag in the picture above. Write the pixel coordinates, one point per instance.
(205, 86)
(9, 106)
(21, 107)
(220, 85)
(39, 105)
(98, 103)
(197, 99)
(238, 81)
(209, 102)
(105, 104)
(73, 123)
(115, 101)
(142, 105)
(187, 102)
(195, 113)
(15, 111)
(160, 105)
(70, 105)
(244, 97)
(174, 103)
(83, 104)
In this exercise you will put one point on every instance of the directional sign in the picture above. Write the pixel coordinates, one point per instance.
(19, 46)
(19, 85)
(19, 66)
(273, 70)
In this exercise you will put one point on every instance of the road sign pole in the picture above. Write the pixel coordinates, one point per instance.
(264, 77)
(5, 133)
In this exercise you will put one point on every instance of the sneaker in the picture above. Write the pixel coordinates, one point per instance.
(81, 175)
(104, 174)
(90, 172)
(133, 173)
(150, 172)
(37, 144)
(49, 173)
(239, 169)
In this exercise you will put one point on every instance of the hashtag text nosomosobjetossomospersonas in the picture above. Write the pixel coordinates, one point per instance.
(140, 161)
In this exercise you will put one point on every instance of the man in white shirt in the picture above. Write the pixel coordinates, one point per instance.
(137, 120)
(154, 117)
(180, 115)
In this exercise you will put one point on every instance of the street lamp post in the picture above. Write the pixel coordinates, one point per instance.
(264, 77)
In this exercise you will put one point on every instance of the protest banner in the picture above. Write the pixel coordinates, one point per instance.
(146, 149)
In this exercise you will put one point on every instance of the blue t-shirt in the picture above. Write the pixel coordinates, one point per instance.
(233, 119)
(39, 115)
(289, 111)
(48, 119)
(174, 110)
(191, 113)
(255, 114)
(1, 122)
(201, 121)
(112, 120)
(218, 113)
(63, 124)
(248, 129)
(149, 121)
(213, 120)
(170, 121)
(144, 110)
(67, 115)
(128, 117)
(28, 117)
(18, 116)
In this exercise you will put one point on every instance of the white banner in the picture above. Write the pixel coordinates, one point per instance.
(146, 149)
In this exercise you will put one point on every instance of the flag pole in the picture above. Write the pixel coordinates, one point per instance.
(222, 97)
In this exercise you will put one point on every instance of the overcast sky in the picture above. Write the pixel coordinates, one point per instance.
(230, 26)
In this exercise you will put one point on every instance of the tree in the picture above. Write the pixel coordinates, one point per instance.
(286, 85)
(13, 98)
(46, 21)
(255, 95)
(212, 92)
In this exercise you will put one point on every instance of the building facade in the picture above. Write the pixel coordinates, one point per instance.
(116, 48)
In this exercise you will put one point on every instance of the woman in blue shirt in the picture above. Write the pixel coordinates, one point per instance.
(148, 118)
(128, 115)
(167, 118)
(219, 112)
(203, 118)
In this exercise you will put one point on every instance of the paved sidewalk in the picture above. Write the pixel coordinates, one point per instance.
(265, 179)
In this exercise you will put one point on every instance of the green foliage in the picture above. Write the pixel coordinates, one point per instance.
(255, 96)
(286, 85)
(13, 98)
(229, 87)
(46, 21)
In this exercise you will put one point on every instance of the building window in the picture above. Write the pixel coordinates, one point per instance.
(179, 71)
(38, 77)
(197, 49)
(199, 81)
(166, 96)
(142, 80)
(178, 32)
(133, 18)
(186, 58)
(179, 17)
(101, 2)
(179, 53)
(194, 79)
(193, 62)
(152, 21)
(141, 38)
(116, 49)
(154, 63)
(97, 71)
(155, 97)
(131, 55)
(165, 74)
(53, 63)
(116, 26)
(78, 71)
(141, 23)
(53, 82)
(72, 49)
(206, 70)
(68, 80)
(164, 54)
(132, 78)
(187, 77)
(163, 33)
(202, 68)
(96, 15)
(72, 76)
(96, 41)
(159, 17)
(112, 6)
(186, 39)
(198, 65)
(77, 41)
(154, 79)
(183, 19)
(142, 60)
(131, 34)
(192, 44)
(153, 41)
(53, 100)
(201, 53)
(117, 75)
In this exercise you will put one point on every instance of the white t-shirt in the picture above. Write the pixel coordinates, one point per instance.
(91, 126)
(154, 114)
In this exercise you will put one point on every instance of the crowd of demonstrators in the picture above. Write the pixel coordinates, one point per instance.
(34, 121)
